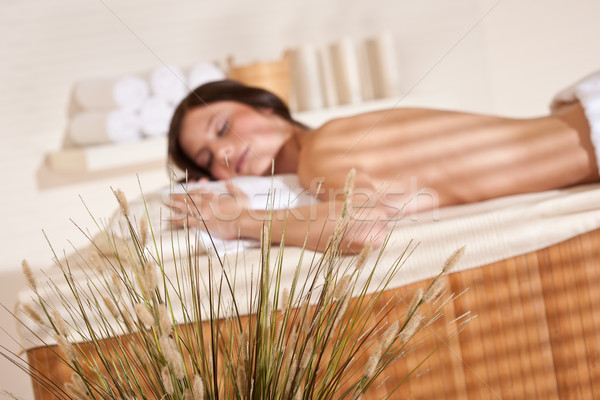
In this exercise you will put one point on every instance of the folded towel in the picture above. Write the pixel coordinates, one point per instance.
(587, 92)
(128, 92)
(100, 127)
(277, 192)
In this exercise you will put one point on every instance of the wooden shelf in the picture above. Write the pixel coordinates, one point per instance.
(108, 157)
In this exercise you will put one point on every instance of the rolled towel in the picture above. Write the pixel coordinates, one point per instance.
(100, 127)
(204, 72)
(587, 91)
(169, 83)
(306, 78)
(366, 83)
(155, 117)
(345, 62)
(128, 92)
(327, 78)
(383, 66)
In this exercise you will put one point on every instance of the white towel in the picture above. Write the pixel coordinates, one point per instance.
(279, 192)
(306, 78)
(587, 91)
(204, 72)
(383, 66)
(100, 127)
(169, 83)
(327, 77)
(155, 117)
(345, 63)
(128, 92)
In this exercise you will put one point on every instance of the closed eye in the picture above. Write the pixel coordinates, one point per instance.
(223, 129)
(204, 157)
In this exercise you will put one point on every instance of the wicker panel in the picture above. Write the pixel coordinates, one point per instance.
(536, 334)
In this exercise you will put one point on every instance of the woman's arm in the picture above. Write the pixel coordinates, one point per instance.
(314, 225)
(229, 217)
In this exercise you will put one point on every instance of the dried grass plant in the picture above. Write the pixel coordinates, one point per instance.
(306, 341)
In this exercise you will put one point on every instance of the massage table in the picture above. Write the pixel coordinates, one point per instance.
(530, 277)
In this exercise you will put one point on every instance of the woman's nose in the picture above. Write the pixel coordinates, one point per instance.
(223, 153)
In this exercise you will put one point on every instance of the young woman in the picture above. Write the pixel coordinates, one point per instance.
(406, 160)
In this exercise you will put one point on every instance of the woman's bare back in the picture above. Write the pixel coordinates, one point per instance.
(452, 157)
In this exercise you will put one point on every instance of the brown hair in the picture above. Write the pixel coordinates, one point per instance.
(226, 90)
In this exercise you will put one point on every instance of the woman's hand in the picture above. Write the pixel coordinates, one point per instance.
(218, 213)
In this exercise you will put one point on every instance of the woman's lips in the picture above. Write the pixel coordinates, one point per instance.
(240, 162)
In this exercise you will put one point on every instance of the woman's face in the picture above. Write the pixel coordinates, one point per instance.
(231, 139)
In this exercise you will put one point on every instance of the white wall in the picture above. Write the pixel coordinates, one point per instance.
(511, 61)
(534, 48)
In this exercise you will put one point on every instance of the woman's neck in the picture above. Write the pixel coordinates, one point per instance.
(286, 161)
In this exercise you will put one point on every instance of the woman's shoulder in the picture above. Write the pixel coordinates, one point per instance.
(359, 121)
(332, 136)
(351, 120)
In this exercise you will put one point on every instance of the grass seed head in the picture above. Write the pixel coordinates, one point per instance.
(66, 347)
(150, 277)
(172, 355)
(166, 380)
(29, 277)
(434, 290)
(241, 379)
(389, 335)
(60, 323)
(76, 388)
(363, 256)
(33, 313)
(111, 307)
(118, 285)
(340, 314)
(143, 314)
(122, 202)
(307, 354)
(265, 243)
(416, 300)
(143, 232)
(291, 377)
(453, 259)
(372, 363)
(341, 287)
(198, 388)
(78, 382)
(164, 319)
(411, 327)
(244, 346)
